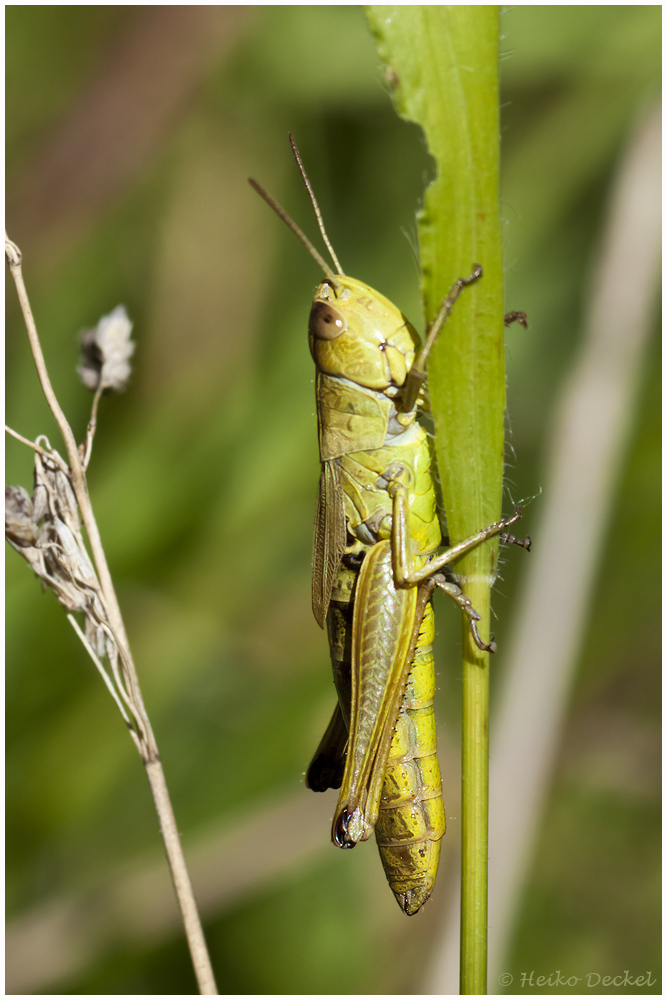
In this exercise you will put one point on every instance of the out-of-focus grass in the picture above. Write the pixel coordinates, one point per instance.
(204, 474)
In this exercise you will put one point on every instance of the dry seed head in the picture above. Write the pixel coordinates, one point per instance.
(107, 350)
(45, 529)
(21, 528)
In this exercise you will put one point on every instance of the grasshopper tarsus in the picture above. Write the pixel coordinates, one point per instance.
(458, 287)
(489, 647)
(477, 272)
(516, 317)
(508, 539)
(516, 516)
(453, 590)
(523, 543)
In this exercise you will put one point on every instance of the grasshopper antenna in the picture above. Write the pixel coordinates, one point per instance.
(291, 224)
(316, 207)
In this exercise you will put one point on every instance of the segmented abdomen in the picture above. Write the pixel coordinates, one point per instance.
(411, 822)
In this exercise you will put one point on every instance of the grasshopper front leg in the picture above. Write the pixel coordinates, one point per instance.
(409, 573)
(417, 374)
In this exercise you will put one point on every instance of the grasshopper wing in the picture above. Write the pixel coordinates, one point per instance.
(329, 540)
(326, 769)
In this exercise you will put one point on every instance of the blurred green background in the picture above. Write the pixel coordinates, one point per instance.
(130, 134)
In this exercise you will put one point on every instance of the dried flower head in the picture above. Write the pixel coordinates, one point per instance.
(21, 524)
(45, 529)
(107, 350)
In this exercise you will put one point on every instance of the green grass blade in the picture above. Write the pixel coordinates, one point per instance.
(443, 64)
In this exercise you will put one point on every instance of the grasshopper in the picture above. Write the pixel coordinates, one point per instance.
(375, 566)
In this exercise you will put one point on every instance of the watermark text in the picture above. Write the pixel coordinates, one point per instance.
(529, 980)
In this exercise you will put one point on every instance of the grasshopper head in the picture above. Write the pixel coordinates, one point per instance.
(353, 331)
(356, 333)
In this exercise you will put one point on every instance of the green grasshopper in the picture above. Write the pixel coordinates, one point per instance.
(375, 566)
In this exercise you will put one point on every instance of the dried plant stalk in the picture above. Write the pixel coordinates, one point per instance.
(46, 530)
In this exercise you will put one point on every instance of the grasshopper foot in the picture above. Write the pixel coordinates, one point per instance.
(506, 539)
(456, 594)
(516, 317)
(524, 543)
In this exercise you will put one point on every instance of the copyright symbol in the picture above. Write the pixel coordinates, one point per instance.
(505, 979)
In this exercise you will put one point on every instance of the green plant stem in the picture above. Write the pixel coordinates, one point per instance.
(474, 819)
(443, 64)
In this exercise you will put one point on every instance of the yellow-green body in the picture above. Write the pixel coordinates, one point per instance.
(375, 565)
(380, 634)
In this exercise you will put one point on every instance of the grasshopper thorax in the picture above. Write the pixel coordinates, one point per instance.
(356, 333)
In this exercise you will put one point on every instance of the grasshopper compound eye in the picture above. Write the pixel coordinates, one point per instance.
(325, 322)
